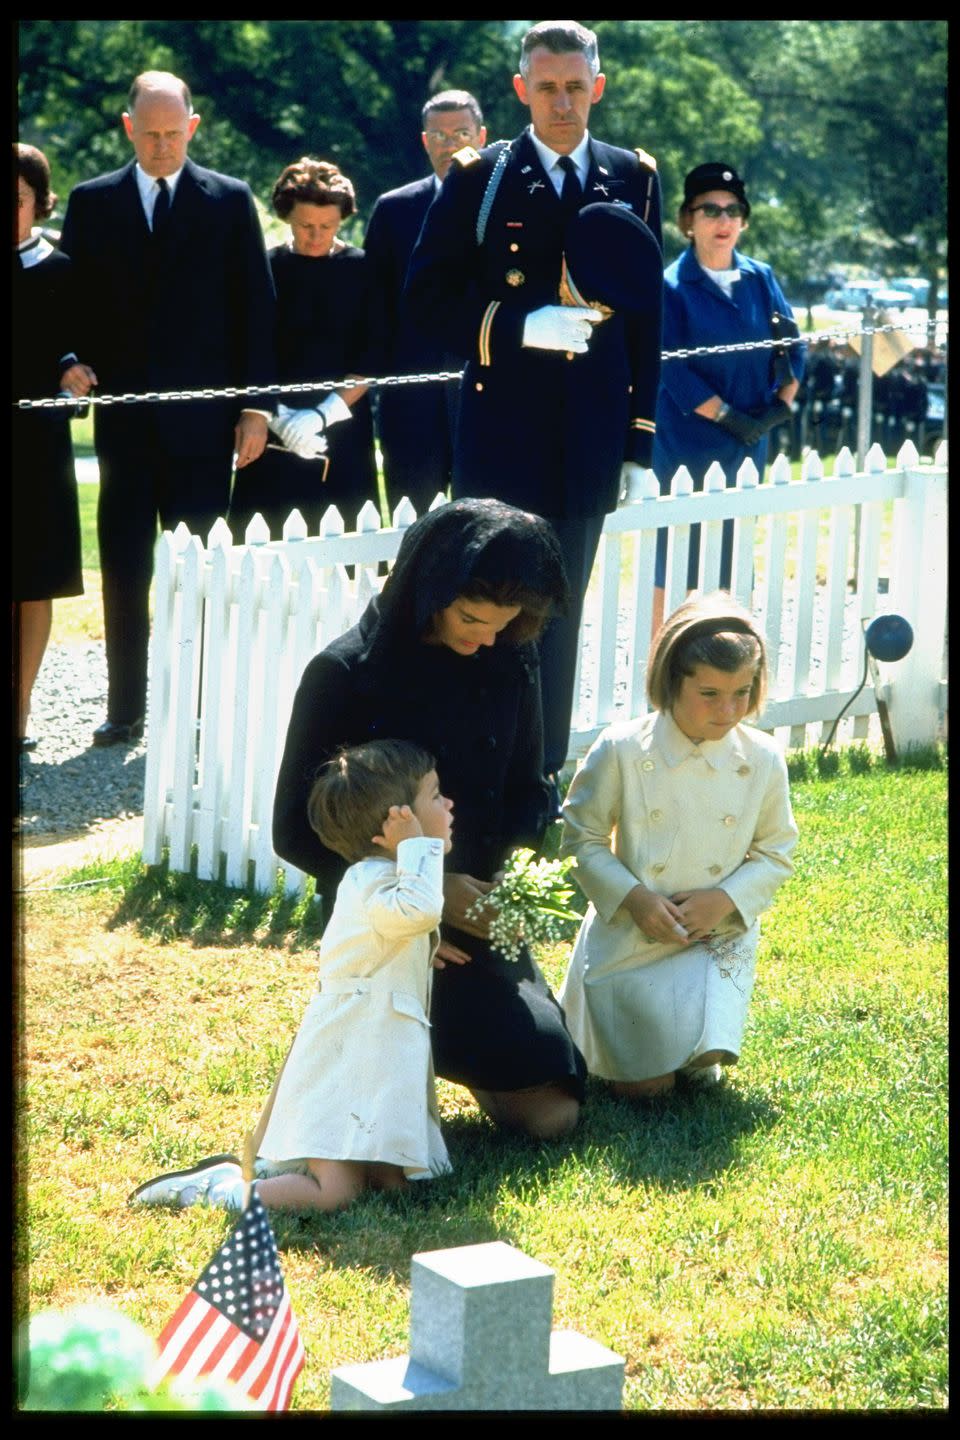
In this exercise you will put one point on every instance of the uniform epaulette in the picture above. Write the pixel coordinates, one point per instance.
(645, 158)
(466, 156)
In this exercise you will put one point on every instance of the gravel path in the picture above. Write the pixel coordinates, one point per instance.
(66, 784)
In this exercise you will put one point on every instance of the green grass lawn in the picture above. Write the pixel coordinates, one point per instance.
(779, 1242)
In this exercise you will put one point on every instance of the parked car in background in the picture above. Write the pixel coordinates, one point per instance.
(917, 287)
(855, 295)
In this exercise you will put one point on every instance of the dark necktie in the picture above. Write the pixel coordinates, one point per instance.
(161, 207)
(571, 194)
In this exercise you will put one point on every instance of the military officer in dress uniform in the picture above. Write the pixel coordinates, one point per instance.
(555, 397)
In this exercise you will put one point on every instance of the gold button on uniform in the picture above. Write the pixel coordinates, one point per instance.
(515, 277)
(514, 247)
(657, 869)
(656, 814)
(743, 770)
(714, 870)
(729, 820)
(648, 765)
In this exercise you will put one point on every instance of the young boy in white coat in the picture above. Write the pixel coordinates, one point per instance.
(682, 831)
(354, 1106)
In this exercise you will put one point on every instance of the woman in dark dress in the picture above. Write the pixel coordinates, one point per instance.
(446, 656)
(322, 451)
(46, 517)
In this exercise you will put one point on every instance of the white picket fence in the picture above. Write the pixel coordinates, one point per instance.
(815, 559)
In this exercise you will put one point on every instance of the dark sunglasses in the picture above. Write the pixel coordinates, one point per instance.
(733, 211)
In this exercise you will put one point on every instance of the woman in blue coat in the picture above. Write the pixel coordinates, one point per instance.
(719, 407)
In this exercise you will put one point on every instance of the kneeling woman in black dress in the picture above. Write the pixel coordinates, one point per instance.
(446, 656)
(326, 316)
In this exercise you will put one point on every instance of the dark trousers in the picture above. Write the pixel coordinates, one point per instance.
(137, 489)
(416, 425)
(579, 536)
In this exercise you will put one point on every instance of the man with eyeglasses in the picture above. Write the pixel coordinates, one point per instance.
(416, 422)
(555, 398)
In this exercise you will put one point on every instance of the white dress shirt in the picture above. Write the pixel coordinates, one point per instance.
(550, 160)
(149, 188)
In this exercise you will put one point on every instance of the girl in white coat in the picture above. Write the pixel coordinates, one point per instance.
(681, 828)
(354, 1105)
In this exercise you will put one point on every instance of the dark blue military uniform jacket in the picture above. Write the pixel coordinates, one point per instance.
(540, 429)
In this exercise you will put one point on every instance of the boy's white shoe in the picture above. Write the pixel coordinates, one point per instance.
(216, 1181)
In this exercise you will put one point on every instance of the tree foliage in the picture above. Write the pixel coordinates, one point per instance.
(838, 126)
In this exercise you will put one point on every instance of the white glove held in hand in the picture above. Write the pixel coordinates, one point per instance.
(301, 431)
(560, 327)
(333, 409)
(632, 480)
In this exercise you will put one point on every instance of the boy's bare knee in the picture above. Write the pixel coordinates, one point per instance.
(339, 1182)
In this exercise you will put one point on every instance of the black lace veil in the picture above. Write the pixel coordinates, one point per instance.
(448, 548)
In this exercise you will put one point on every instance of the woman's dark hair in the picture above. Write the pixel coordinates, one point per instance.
(350, 798)
(476, 549)
(32, 164)
(313, 182)
(706, 630)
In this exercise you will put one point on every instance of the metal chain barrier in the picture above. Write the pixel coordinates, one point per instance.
(239, 392)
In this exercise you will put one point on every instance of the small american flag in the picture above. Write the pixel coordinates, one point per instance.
(236, 1324)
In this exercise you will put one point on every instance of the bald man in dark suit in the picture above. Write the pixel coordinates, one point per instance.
(416, 422)
(176, 295)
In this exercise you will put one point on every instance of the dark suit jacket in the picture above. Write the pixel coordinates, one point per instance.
(189, 310)
(537, 429)
(388, 244)
(416, 423)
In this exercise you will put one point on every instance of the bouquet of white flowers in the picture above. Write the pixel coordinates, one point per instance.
(532, 903)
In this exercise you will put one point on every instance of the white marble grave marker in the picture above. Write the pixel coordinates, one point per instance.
(480, 1339)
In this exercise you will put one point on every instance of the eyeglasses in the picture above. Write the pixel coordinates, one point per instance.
(439, 137)
(713, 212)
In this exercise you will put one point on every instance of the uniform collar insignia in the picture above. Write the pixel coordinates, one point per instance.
(525, 169)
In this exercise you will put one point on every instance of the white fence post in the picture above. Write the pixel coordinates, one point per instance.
(185, 691)
(918, 592)
(217, 672)
(158, 701)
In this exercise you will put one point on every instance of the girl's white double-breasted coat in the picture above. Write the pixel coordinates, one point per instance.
(358, 1081)
(649, 805)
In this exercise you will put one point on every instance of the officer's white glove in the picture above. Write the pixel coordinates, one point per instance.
(560, 327)
(333, 409)
(633, 481)
(300, 431)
